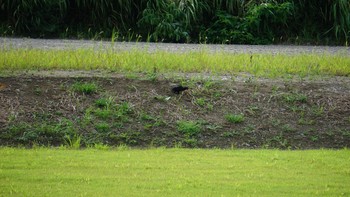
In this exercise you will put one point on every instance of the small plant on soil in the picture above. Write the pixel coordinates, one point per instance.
(102, 127)
(234, 118)
(191, 142)
(278, 141)
(103, 113)
(303, 121)
(104, 102)
(288, 128)
(124, 108)
(152, 76)
(147, 117)
(318, 110)
(275, 122)
(252, 109)
(295, 108)
(248, 129)
(295, 97)
(86, 88)
(200, 102)
(151, 121)
(73, 142)
(189, 128)
(128, 137)
(228, 134)
(314, 138)
(213, 127)
(100, 146)
(217, 95)
(208, 84)
(38, 91)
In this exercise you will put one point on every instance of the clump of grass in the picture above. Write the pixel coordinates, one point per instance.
(104, 102)
(318, 110)
(234, 118)
(288, 128)
(102, 127)
(101, 146)
(73, 142)
(124, 108)
(191, 142)
(200, 102)
(128, 137)
(295, 97)
(228, 134)
(86, 88)
(103, 113)
(189, 128)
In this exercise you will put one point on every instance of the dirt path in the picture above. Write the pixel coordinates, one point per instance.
(78, 44)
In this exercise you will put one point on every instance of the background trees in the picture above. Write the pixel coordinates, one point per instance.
(205, 21)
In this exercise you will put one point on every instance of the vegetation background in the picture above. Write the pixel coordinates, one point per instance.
(190, 21)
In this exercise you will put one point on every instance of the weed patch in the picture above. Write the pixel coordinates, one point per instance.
(189, 128)
(86, 88)
(234, 118)
(295, 97)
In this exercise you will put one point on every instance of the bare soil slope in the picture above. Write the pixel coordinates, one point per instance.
(142, 111)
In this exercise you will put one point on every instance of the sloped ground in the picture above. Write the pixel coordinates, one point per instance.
(141, 111)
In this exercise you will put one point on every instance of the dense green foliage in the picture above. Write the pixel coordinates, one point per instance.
(205, 21)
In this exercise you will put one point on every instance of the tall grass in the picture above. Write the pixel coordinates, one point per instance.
(267, 65)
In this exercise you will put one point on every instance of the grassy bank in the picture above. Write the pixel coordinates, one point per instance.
(173, 172)
(266, 65)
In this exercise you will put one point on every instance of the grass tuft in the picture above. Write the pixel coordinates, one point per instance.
(234, 118)
(86, 88)
(189, 128)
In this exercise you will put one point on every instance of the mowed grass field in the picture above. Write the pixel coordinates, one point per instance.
(173, 172)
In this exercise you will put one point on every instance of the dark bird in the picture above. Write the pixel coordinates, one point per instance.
(178, 89)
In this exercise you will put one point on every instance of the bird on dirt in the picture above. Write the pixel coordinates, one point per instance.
(178, 89)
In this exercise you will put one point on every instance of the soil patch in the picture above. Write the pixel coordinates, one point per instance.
(137, 112)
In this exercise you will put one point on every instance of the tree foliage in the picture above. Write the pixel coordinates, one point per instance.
(213, 21)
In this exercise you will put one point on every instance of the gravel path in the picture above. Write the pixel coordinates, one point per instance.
(59, 44)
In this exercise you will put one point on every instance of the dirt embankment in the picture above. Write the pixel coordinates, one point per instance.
(142, 111)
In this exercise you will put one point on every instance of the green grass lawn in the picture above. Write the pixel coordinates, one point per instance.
(173, 172)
